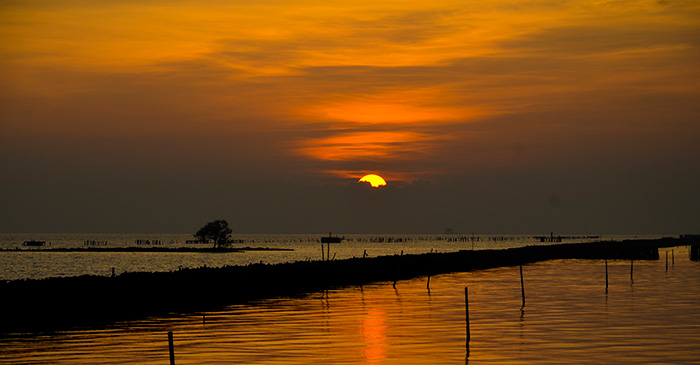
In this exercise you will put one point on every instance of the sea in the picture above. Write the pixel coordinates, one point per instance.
(569, 315)
(18, 261)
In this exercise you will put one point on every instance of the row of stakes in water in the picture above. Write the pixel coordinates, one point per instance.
(149, 242)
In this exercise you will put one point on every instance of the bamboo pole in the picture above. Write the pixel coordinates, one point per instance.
(466, 312)
(429, 270)
(632, 270)
(172, 348)
(606, 276)
(522, 286)
(398, 265)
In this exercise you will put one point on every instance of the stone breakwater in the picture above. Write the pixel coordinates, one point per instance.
(60, 303)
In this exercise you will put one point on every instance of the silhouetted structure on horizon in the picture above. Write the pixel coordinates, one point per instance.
(331, 239)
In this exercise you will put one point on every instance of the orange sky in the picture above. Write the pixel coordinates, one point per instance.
(326, 90)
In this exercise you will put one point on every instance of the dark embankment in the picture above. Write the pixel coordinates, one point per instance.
(58, 303)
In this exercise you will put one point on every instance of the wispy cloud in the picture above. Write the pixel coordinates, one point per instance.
(336, 83)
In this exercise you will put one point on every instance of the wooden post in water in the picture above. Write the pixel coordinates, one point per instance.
(172, 348)
(694, 252)
(398, 264)
(323, 254)
(673, 260)
(466, 312)
(429, 269)
(632, 270)
(666, 261)
(522, 286)
(606, 276)
(328, 251)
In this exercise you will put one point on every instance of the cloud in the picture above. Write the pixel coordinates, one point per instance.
(155, 103)
(363, 145)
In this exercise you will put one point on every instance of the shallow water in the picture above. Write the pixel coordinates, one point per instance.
(568, 317)
(37, 264)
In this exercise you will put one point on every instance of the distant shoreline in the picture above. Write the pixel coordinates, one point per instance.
(89, 300)
(146, 249)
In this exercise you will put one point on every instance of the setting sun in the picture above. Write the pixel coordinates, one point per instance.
(374, 180)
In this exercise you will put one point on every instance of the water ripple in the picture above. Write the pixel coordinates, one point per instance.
(568, 317)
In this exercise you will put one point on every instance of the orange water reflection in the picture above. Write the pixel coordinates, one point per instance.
(568, 315)
(374, 333)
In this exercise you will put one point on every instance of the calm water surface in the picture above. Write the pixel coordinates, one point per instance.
(36, 264)
(568, 317)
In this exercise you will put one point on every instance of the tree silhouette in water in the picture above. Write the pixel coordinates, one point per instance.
(217, 231)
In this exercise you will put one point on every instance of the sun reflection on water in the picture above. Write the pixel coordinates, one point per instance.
(568, 315)
(374, 334)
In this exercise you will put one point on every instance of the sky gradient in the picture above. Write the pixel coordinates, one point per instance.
(483, 116)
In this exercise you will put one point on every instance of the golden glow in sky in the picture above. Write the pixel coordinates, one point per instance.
(333, 87)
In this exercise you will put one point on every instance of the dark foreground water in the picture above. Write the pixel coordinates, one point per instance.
(568, 318)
